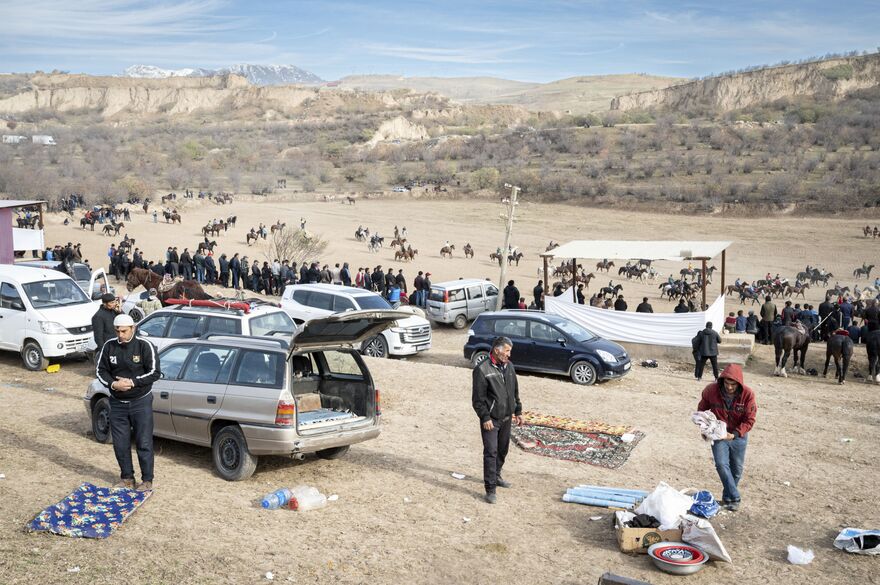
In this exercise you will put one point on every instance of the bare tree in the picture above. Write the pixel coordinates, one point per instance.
(295, 245)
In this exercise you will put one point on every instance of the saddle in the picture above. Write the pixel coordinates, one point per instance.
(800, 327)
(165, 287)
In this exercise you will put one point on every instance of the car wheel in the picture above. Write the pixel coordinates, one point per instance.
(376, 347)
(334, 453)
(583, 373)
(479, 357)
(32, 356)
(232, 460)
(101, 421)
(136, 315)
(460, 322)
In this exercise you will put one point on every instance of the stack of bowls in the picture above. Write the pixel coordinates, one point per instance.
(677, 558)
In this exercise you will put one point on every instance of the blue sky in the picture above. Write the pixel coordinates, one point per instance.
(530, 41)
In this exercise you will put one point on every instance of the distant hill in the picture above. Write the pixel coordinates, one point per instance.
(255, 74)
(578, 95)
(830, 79)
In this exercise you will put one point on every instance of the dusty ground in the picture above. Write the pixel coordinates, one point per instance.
(200, 529)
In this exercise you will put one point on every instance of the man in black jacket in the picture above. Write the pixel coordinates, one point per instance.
(102, 320)
(644, 306)
(538, 293)
(128, 366)
(705, 347)
(495, 399)
(511, 296)
(620, 304)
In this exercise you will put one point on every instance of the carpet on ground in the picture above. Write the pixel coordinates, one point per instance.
(592, 442)
(89, 512)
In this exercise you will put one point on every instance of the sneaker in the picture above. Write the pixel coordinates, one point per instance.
(733, 506)
(490, 498)
(145, 486)
(125, 484)
(501, 482)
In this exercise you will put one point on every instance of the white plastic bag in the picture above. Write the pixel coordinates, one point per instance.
(701, 534)
(797, 556)
(666, 504)
(858, 541)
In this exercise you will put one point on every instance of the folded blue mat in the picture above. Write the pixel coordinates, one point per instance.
(90, 511)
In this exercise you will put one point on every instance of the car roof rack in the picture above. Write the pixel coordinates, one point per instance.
(282, 343)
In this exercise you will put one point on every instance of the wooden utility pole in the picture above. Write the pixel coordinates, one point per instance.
(511, 207)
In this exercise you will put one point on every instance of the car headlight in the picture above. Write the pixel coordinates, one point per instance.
(398, 329)
(52, 328)
(606, 357)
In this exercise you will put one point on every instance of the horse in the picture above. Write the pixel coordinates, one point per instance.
(468, 250)
(786, 340)
(840, 347)
(398, 241)
(872, 344)
(361, 235)
(866, 230)
(171, 217)
(400, 255)
(410, 253)
(86, 221)
(863, 271)
(495, 257)
(182, 289)
(515, 257)
(279, 227)
(605, 265)
(350, 200)
(213, 229)
(613, 291)
(586, 279)
(447, 250)
(113, 227)
(251, 236)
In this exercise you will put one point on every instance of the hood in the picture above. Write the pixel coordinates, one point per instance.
(412, 321)
(734, 372)
(614, 349)
(343, 329)
(71, 316)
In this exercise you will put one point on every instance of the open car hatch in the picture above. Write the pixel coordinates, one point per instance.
(346, 329)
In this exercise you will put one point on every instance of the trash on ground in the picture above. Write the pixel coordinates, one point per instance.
(53, 368)
(270, 575)
(666, 504)
(846, 440)
(596, 518)
(700, 533)
(406, 500)
(465, 519)
(786, 483)
(858, 541)
(458, 475)
(704, 504)
(649, 363)
(333, 498)
(627, 438)
(797, 556)
(73, 570)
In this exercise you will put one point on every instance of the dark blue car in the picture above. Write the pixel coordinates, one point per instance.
(548, 344)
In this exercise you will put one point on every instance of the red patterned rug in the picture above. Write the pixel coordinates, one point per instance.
(603, 449)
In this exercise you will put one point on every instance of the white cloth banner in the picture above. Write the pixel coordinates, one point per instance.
(674, 329)
(25, 239)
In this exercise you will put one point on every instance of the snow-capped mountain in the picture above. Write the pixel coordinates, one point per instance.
(255, 74)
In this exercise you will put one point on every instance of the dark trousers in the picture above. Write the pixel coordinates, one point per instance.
(701, 363)
(187, 271)
(766, 332)
(495, 445)
(136, 415)
(235, 275)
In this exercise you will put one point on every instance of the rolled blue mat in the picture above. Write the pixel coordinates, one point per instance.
(596, 502)
(613, 490)
(605, 496)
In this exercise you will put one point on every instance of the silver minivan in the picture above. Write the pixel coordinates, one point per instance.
(460, 301)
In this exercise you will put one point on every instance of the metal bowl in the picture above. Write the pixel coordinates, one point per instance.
(677, 558)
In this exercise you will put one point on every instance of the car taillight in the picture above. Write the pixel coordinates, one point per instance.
(378, 404)
(445, 296)
(285, 412)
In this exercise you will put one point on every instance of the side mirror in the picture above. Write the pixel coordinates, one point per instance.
(16, 305)
(561, 341)
(143, 333)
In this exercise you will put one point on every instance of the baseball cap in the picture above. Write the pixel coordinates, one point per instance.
(123, 321)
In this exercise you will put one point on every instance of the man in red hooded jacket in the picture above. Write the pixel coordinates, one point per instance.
(733, 402)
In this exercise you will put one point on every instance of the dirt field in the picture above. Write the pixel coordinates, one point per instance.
(400, 515)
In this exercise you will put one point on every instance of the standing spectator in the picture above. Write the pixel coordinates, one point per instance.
(345, 274)
(538, 294)
(235, 268)
(581, 298)
(788, 315)
(644, 306)
(768, 315)
(336, 274)
(390, 280)
(186, 264)
(511, 296)
(846, 313)
(360, 279)
(102, 320)
(426, 289)
(224, 271)
(495, 398)
(266, 278)
(620, 304)
(418, 282)
(705, 346)
(400, 280)
(256, 285)
(825, 310)
(174, 260)
(199, 263)
(681, 307)
(731, 401)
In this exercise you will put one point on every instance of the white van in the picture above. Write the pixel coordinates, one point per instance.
(460, 301)
(44, 314)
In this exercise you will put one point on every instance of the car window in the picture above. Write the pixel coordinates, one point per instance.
(183, 326)
(207, 364)
(436, 294)
(261, 368)
(544, 332)
(9, 296)
(272, 323)
(45, 294)
(81, 272)
(456, 294)
(575, 331)
(372, 302)
(154, 325)
(491, 290)
(510, 327)
(223, 325)
(301, 296)
(320, 300)
(475, 292)
(341, 362)
(341, 304)
(171, 360)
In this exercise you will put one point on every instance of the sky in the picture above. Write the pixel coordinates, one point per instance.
(536, 41)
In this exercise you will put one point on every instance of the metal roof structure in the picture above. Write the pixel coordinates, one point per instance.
(639, 249)
(7, 203)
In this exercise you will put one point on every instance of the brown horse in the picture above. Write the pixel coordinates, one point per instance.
(183, 289)
(785, 341)
(468, 250)
(447, 250)
(605, 265)
(840, 347)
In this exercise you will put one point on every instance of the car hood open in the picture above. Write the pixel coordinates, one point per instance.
(342, 329)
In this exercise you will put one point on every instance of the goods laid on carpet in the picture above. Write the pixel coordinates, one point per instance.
(592, 442)
(89, 512)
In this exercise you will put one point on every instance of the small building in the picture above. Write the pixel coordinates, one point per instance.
(17, 239)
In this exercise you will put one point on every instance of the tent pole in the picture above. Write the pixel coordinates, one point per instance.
(574, 280)
(723, 269)
(703, 308)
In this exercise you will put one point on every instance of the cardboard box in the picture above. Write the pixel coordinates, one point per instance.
(637, 540)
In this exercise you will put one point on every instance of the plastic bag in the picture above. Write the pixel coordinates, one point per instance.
(858, 541)
(704, 504)
(702, 535)
(667, 505)
(797, 556)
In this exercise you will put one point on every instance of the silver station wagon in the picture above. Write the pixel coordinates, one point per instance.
(249, 396)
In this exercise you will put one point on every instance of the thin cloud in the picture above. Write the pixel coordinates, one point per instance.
(463, 55)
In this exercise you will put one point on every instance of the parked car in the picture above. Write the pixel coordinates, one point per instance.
(409, 336)
(44, 314)
(460, 301)
(549, 344)
(246, 397)
(80, 272)
(169, 324)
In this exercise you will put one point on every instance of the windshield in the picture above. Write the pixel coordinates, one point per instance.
(81, 272)
(54, 293)
(575, 331)
(272, 324)
(372, 302)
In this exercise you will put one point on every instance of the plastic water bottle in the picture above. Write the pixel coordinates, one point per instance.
(300, 491)
(276, 499)
(308, 502)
